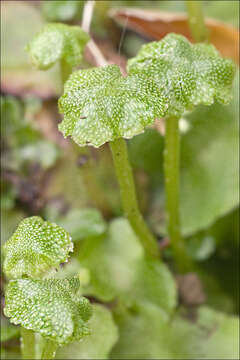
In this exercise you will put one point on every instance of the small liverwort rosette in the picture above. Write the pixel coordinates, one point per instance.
(100, 105)
(184, 74)
(51, 307)
(37, 246)
(57, 42)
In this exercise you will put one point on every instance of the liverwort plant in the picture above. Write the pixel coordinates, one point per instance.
(165, 79)
(58, 43)
(50, 307)
(108, 111)
(99, 106)
(34, 248)
(184, 75)
(64, 45)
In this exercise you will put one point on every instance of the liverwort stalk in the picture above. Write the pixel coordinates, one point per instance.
(184, 75)
(27, 344)
(112, 134)
(172, 178)
(128, 195)
(65, 71)
(99, 106)
(49, 350)
(172, 153)
(64, 45)
(196, 21)
(50, 307)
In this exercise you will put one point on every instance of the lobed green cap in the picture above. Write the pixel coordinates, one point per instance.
(51, 307)
(185, 74)
(100, 105)
(35, 247)
(57, 42)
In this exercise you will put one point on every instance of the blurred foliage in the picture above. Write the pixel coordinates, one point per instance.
(8, 331)
(73, 174)
(23, 143)
(9, 221)
(63, 10)
(149, 333)
(122, 270)
(224, 231)
(10, 354)
(18, 75)
(223, 10)
(104, 336)
(83, 224)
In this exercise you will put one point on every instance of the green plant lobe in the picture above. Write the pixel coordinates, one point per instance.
(50, 307)
(35, 247)
(184, 74)
(57, 42)
(100, 105)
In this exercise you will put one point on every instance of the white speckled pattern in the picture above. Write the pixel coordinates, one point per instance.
(35, 247)
(57, 42)
(50, 307)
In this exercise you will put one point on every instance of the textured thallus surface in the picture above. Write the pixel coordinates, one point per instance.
(165, 79)
(35, 247)
(51, 307)
(100, 105)
(185, 74)
(57, 42)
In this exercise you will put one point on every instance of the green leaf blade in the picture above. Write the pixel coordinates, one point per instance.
(56, 42)
(35, 247)
(100, 105)
(186, 75)
(50, 307)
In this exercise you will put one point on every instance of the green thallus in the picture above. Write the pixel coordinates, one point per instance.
(99, 106)
(48, 306)
(186, 75)
(58, 43)
(64, 45)
(165, 79)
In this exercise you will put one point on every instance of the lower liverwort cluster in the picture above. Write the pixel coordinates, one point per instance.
(52, 307)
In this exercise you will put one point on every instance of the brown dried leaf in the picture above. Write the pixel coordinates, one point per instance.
(156, 24)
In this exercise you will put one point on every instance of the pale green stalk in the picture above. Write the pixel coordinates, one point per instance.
(65, 72)
(197, 25)
(172, 177)
(49, 350)
(129, 199)
(172, 153)
(27, 344)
